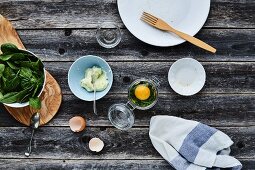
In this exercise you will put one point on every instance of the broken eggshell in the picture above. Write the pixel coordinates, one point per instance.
(96, 144)
(77, 124)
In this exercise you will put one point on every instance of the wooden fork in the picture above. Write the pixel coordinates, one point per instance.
(162, 25)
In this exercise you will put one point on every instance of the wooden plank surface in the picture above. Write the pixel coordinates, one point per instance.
(59, 142)
(221, 77)
(34, 14)
(69, 44)
(212, 109)
(60, 31)
(10, 164)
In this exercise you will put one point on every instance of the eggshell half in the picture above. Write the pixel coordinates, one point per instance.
(77, 124)
(96, 144)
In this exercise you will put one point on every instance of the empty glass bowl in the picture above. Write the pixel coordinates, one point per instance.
(142, 95)
(121, 116)
(108, 35)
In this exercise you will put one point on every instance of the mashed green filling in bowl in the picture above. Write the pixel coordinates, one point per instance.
(97, 76)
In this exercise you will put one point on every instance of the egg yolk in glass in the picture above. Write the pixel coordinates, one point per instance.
(142, 92)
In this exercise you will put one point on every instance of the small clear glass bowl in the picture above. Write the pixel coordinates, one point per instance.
(121, 116)
(108, 35)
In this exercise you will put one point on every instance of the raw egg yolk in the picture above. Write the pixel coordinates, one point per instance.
(142, 92)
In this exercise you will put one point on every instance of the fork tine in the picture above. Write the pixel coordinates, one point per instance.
(149, 15)
(149, 20)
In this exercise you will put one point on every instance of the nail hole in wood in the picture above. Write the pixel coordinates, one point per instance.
(85, 139)
(64, 160)
(144, 53)
(68, 32)
(102, 128)
(61, 51)
(240, 144)
(126, 79)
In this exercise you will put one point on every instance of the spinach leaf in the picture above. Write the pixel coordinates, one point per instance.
(23, 93)
(10, 85)
(19, 57)
(5, 57)
(36, 66)
(25, 72)
(9, 48)
(32, 81)
(2, 67)
(9, 97)
(38, 87)
(3, 80)
(25, 97)
(14, 57)
(25, 82)
(9, 73)
(13, 97)
(12, 65)
(35, 103)
(35, 90)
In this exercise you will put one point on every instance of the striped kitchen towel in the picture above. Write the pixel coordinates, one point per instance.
(190, 145)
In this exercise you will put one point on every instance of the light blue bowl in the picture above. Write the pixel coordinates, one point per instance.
(77, 72)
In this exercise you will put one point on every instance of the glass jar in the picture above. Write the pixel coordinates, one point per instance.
(121, 115)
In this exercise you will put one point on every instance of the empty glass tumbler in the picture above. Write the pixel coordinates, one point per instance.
(108, 35)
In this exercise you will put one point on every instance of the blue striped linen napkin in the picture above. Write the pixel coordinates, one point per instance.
(190, 145)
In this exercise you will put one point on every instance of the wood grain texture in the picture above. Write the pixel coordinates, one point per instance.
(221, 77)
(20, 164)
(8, 33)
(51, 96)
(212, 109)
(34, 14)
(51, 99)
(61, 142)
(69, 44)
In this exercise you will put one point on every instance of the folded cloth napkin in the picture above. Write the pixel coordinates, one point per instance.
(190, 145)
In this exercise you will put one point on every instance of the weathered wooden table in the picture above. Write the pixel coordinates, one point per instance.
(60, 31)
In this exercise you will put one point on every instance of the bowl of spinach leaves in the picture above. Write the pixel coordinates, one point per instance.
(22, 77)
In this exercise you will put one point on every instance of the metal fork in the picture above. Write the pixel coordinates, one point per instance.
(162, 25)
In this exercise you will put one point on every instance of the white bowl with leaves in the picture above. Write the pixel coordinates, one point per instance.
(22, 77)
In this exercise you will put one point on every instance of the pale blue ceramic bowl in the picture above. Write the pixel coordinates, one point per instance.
(77, 72)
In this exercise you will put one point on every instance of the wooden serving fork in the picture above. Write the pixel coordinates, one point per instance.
(162, 25)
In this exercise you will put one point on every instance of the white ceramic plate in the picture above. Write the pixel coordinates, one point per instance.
(185, 15)
(186, 76)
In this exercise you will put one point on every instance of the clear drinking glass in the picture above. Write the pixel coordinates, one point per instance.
(108, 35)
(121, 116)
